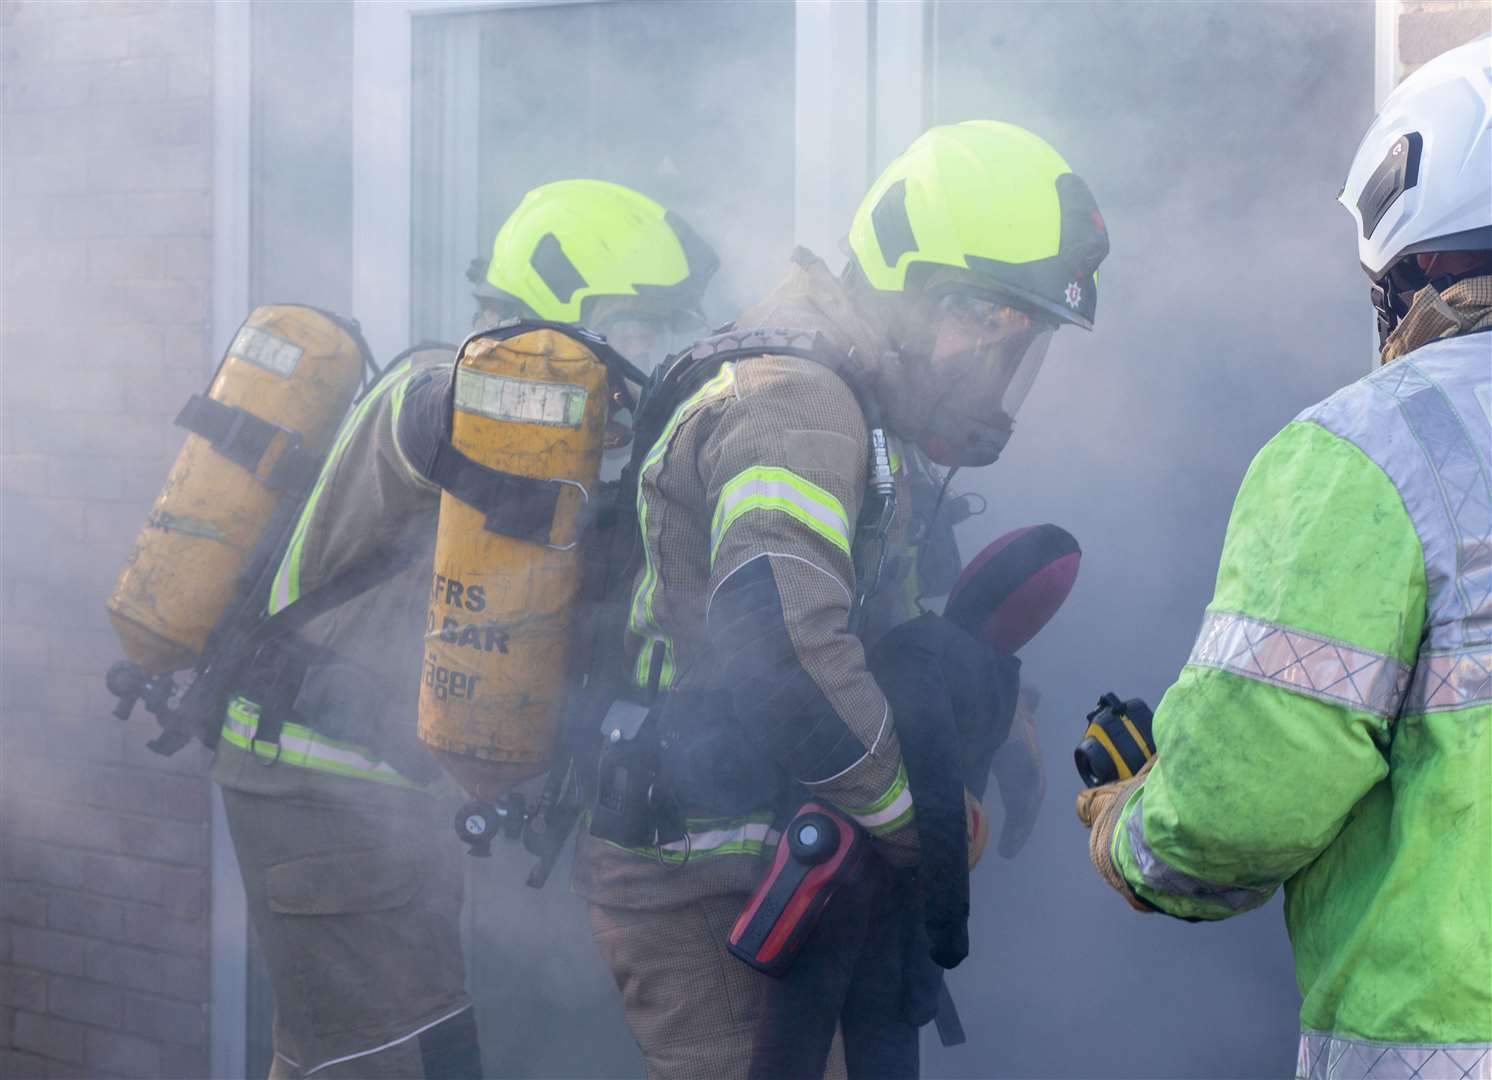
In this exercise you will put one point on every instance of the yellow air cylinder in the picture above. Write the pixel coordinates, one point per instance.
(291, 366)
(501, 609)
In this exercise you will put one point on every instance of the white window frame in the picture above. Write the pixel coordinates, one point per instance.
(1385, 49)
(228, 929)
(836, 81)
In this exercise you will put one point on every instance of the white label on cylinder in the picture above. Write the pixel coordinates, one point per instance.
(525, 401)
(263, 349)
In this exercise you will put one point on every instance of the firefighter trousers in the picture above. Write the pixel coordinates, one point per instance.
(355, 904)
(691, 1005)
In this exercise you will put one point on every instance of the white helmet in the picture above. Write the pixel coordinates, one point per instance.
(1422, 177)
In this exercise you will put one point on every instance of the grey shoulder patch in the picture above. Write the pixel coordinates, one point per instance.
(827, 451)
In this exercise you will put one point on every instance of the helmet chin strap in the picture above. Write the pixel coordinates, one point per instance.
(1392, 300)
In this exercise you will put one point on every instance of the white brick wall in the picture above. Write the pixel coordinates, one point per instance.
(1428, 28)
(104, 280)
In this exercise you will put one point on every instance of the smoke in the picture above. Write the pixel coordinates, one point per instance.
(1214, 137)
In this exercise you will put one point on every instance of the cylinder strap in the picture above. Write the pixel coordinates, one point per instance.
(522, 507)
(244, 438)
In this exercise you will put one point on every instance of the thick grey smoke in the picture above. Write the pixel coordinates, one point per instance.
(1214, 136)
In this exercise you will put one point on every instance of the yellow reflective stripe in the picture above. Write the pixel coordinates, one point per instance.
(764, 487)
(1134, 733)
(891, 811)
(306, 748)
(286, 588)
(709, 837)
(1096, 732)
(642, 621)
(396, 401)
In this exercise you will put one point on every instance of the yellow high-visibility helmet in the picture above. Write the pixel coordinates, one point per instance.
(992, 200)
(572, 242)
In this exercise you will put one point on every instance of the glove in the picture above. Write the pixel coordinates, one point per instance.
(978, 828)
(1021, 777)
(1099, 809)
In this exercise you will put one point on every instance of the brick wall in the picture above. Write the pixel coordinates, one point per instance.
(1428, 28)
(104, 285)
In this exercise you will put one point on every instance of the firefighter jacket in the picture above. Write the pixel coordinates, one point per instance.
(747, 507)
(1332, 729)
(351, 704)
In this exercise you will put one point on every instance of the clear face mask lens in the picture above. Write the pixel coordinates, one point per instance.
(998, 347)
(1026, 367)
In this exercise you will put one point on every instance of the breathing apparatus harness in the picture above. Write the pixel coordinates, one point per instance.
(630, 808)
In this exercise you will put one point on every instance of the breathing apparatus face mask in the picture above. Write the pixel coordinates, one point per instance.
(984, 358)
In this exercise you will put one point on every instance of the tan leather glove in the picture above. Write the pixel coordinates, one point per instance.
(1098, 809)
(978, 827)
(1020, 775)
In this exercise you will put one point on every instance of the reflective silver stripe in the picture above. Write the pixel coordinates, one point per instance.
(749, 838)
(1306, 663)
(1452, 680)
(304, 747)
(706, 838)
(1336, 1057)
(379, 1049)
(771, 488)
(1433, 445)
(1162, 877)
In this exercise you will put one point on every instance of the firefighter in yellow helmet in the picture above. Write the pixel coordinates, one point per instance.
(339, 818)
(589, 252)
(968, 253)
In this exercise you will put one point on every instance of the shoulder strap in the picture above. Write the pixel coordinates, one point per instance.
(680, 375)
(683, 373)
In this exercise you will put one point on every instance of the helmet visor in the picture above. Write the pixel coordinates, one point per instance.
(988, 354)
(994, 348)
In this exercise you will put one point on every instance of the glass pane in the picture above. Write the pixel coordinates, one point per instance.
(689, 103)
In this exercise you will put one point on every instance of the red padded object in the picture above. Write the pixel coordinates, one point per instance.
(1015, 585)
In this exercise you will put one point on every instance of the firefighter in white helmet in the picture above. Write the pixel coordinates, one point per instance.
(1332, 730)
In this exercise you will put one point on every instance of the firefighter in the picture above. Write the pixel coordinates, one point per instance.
(969, 251)
(339, 822)
(1332, 729)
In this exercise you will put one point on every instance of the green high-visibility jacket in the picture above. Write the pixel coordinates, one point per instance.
(1332, 730)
